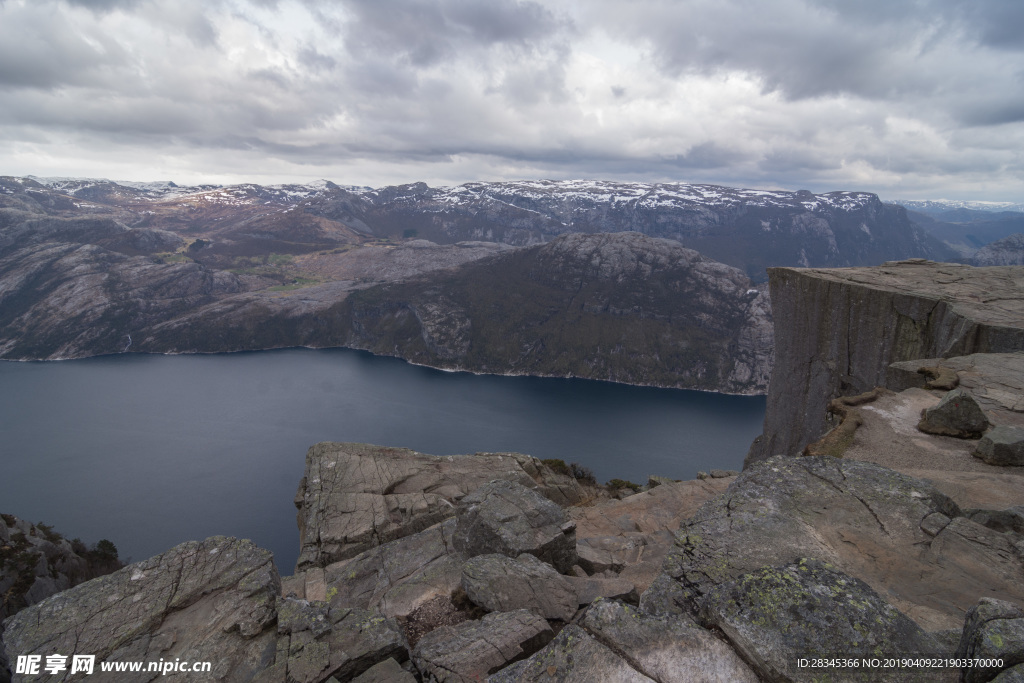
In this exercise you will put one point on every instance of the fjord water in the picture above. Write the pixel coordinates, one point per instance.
(150, 451)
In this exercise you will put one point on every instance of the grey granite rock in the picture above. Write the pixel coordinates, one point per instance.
(202, 601)
(1014, 674)
(775, 615)
(993, 629)
(667, 648)
(572, 657)
(388, 671)
(590, 588)
(1002, 446)
(502, 584)
(863, 518)
(354, 497)
(346, 644)
(471, 650)
(957, 414)
(508, 518)
(396, 577)
(1010, 519)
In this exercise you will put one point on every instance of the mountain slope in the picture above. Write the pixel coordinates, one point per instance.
(748, 229)
(622, 307)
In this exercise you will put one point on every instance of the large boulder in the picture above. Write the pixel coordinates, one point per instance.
(776, 615)
(868, 521)
(1002, 446)
(210, 601)
(502, 584)
(957, 414)
(572, 657)
(469, 651)
(355, 496)
(508, 518)
(993, 631)
(667, 648)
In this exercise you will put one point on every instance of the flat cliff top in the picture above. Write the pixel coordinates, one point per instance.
(992, 295)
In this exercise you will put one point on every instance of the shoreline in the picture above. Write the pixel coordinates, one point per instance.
(384, 355)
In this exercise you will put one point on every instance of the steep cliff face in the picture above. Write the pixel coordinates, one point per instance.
(838, 330)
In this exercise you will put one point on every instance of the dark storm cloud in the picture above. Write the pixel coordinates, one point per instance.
(425, 32)
(804, 49)
(104, 5)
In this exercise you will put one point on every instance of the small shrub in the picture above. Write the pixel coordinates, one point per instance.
(105, 550)
(9, 520)
(557, 466)
(582, 474)
(48, 533)
(618, 484)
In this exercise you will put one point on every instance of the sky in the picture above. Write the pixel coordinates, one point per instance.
(911, 99)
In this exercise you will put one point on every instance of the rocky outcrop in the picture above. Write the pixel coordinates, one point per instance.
(356, 496)
(870, 522)
(37, 562)
(508, 518)
(892, 313)
(784, 561)
(499, 583)
(209, 601)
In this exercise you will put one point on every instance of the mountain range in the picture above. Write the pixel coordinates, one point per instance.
(567, 278)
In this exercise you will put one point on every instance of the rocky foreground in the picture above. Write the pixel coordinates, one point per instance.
(895, 541)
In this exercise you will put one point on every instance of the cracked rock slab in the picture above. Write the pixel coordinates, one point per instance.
(863, 518)
(354, 497)
(503, 584)
(572, 657)
(212, 600)
(399, 576)
(469, 651)
(508, 518)
(667, 648)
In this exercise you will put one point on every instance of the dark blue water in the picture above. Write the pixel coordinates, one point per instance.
(151, 451)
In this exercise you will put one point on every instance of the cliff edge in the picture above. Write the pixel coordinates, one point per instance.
(838, 330)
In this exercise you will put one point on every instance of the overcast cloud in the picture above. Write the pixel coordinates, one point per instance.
(907, 98)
